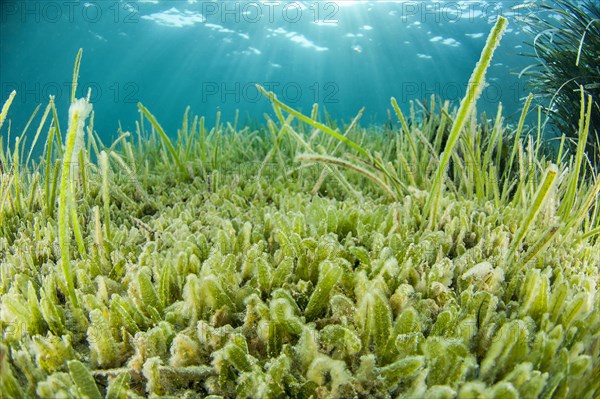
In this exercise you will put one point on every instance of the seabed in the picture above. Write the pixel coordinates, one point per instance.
(444, 258)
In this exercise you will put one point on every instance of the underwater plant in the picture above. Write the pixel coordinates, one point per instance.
(566, 51)
(218, 266)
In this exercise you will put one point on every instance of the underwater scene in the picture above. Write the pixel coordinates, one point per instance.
(299, 199)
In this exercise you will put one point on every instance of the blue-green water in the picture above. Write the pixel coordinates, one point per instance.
(208, 55)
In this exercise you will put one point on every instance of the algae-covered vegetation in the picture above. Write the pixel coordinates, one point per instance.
(448, 259)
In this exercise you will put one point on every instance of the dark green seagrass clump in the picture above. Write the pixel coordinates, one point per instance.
(566, 50)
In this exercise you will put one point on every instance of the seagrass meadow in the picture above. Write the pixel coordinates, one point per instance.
(450, 256)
